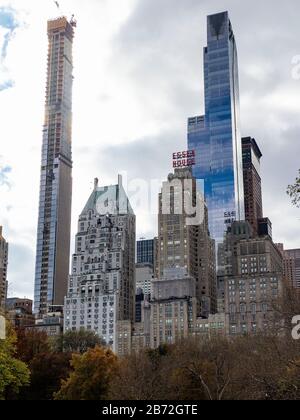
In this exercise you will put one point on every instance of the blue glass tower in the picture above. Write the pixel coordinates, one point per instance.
(216, 136)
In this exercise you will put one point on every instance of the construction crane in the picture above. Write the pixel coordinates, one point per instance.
(73, 21)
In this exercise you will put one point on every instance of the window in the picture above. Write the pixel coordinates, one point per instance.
(232, 309)
(244, 328)
(243, 308)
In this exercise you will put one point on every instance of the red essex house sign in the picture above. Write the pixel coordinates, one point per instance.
(184, 159)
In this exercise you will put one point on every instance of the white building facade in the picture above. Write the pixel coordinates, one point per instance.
(101, 288)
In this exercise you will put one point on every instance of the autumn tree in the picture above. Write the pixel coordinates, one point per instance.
(47, 367)
(268, 367)
(91, 376)
(30, 343)
(47, 372)
(207, 365)
(77, 341)
(142, 376)
(255, 367)
(284, 309)
(14, 374)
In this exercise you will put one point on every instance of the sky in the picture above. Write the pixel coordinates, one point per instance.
(138, 70)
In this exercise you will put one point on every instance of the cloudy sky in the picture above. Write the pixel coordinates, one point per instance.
(138, 77)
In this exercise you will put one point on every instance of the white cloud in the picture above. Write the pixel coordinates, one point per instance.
(138, 73)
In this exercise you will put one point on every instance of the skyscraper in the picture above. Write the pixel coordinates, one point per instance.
(184, 240)
(215, 137)
(294, 254)
(3, 270)
(253, 280)
(173, 307)
(291, 263)
(146, 251)
(101, 288)
(144, 276)
(252, 181)
(53, 236)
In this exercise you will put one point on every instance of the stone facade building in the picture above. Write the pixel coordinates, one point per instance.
(184, 240)
(254, 280)
(102, 288)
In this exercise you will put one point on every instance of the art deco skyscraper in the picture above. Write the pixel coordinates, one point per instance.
(53, 238)
(102, 288)
(184, 240)
(216, 136)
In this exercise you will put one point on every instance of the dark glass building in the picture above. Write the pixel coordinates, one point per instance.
(139, 299)
(264, 227)
(252, 182)
(216, 136)
(146, 251)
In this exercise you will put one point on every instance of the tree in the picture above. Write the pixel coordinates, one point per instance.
(141, 376)
(47, 368)
(294, 191)
(91, 376)
(210, 366)
(30, 343)
(13, 373)
(255, 367)
(47, 372)
(77, 341)
(268, 367)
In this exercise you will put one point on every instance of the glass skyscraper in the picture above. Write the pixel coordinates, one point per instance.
(216, 136)
(54, 224)
(146, 251)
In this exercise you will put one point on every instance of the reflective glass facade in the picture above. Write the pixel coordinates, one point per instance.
(216, 136)
(145, 251)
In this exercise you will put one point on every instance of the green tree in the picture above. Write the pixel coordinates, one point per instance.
(77, 341)
(294, 191)
(14, 373)
(91, 376)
